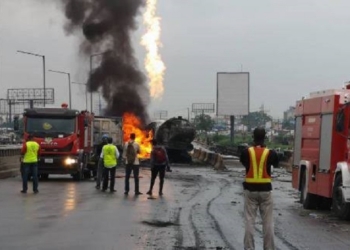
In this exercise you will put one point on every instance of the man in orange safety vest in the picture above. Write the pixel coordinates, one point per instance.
(257, 189)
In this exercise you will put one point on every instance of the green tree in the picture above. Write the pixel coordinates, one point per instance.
(255, 119)
(288, 124)
(203, 122)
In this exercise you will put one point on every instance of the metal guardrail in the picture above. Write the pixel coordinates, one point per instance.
(5, 147)
(283, 155)
(12, 150)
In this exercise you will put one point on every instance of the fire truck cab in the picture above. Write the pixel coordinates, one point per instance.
(65, 139)
(321, 160)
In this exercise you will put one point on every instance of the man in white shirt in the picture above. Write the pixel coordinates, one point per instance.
(131, 149)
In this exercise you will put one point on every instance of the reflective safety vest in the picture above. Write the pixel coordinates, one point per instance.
(109, 156)
(31, 154)
(258, 166)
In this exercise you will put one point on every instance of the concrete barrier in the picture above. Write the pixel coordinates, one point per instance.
(209, 158)
(219, 165)
(9, 162)
(206, 157)
(202, 155)
(287, 165)
(196, 153)
(213, 159)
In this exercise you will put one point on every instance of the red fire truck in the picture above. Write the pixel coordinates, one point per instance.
(65, 138)
(321, 160)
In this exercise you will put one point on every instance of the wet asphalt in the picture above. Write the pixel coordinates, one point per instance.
(201, 209)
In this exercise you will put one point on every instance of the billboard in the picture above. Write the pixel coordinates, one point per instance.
(34, 94)
(203, 107)
(232, 94)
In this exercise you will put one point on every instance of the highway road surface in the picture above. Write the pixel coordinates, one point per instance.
(200, 209)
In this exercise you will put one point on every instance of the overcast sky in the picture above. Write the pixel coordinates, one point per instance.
(290, 48)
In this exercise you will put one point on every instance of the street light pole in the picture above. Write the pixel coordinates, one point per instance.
(91, 56)
(90, 78)
(69, 85)
(44, 75)
(70, 91)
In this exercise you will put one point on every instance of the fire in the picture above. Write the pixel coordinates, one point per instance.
(131, 124)
(151, 41)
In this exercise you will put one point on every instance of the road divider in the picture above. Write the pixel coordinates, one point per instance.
(207, 157)
(9, 162)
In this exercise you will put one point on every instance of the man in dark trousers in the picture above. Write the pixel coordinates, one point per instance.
(30, 151)
(131, 149)
(99, 164)
(257, 189)
(109, 157)
(159, 163)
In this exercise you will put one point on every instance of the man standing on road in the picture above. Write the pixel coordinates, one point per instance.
(109, 155)
(159, 163)
(99, 163)
(131, 149)
(257, 190)
(30, 151)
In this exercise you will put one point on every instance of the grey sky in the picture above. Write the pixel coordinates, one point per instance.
(290, 48)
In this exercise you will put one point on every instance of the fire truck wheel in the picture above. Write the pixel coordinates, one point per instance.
(79, 176)
(87, 175)
(308, 200)
(340, 208)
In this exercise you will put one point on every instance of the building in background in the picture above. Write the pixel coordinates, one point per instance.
(289, 113)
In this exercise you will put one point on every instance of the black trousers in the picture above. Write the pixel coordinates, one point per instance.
(135, 169)
(108, 173)
(155, 170)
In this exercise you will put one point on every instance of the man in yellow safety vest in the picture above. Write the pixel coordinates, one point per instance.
(109, 157)
(257, 189)
(30, 152)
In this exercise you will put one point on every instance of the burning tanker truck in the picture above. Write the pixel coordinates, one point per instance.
(176, 134)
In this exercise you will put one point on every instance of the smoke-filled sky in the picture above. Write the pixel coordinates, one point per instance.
(290, 48)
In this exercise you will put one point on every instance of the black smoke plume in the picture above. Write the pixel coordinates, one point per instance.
(106, 26)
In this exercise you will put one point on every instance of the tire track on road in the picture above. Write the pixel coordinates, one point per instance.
(185, 232)
(212, 236)
(199, 229)
(217, 226)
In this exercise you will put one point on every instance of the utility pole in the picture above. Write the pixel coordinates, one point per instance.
(91, 57)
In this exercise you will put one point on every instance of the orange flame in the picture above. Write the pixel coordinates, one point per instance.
(132, 124)
(151, 41)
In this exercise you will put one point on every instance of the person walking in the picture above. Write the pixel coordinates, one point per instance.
(159, 163)
(30, 152)
(99, 162)
(109, 156)
(257, 190)
(131, 149)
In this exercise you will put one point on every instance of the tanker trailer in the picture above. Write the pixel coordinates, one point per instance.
(176, 135)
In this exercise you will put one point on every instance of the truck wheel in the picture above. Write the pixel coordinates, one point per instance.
(340, 208)
(79, 176)
(308, 200)
(87, 175)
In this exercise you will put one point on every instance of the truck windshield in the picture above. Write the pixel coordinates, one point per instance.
(43, 125)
